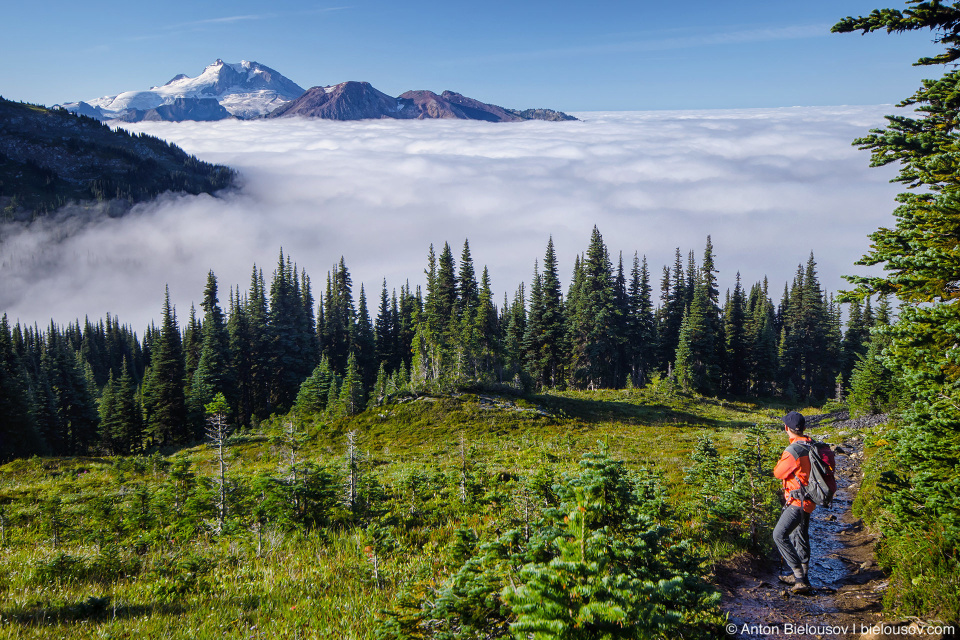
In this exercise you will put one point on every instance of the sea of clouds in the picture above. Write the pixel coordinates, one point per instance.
(769, 186)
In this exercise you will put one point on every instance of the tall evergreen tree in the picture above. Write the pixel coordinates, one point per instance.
(339, 316)
(671, 313)
(18, 429)
(595, 320)
(515, 328)
(215, 373)
(352, 394)
(385, 330)
(445, 286)
(737, 365)
(642, 327)
(468, 292)
(919, 255)
(696, 366)
(363, 343)
(164, 403)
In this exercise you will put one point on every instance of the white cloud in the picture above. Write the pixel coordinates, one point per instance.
(768, 185)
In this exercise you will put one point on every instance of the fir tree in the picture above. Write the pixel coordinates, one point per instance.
(468, 292)
(737, 357)
(164, 403)
(696, 367)
(363, 343)
(672, 311)
(641, 327)
(214, 373)
(352, 396)
(18, 429)
(385, 329)
(594, 320)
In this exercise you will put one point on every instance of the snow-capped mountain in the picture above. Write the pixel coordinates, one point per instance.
(244, 90)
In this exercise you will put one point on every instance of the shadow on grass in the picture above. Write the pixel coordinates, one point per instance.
(604, 410)
(90, 610)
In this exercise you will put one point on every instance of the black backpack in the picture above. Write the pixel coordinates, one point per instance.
(821, 484)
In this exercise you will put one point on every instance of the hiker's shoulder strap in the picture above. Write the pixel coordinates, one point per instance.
(799, 448)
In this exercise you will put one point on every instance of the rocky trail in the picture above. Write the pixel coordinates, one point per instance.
(848, 584)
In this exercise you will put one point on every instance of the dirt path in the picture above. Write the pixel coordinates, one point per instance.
(848, 585)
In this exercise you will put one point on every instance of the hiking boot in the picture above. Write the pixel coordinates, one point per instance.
(801, 586)
(787, 579)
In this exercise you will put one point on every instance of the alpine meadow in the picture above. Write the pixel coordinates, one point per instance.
(360, 366)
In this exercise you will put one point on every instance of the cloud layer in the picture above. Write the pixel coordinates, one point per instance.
(769, 186)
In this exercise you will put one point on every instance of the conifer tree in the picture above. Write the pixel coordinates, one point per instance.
(363, 343)
(671, 313)
(410, 308)
(641, 327)
(594, 320)
(385, 330)
(241, 350)
(468, 292)
(352, 395)
(696, 367)
(445, 288)
(315, 390)
(214, 373)
(339, 316)
(18, 429)
(127, 406)
(164, 403)
(552, 347)
(737, 364)
(109, 418)
(192, 344)
(762, 340)
(515, 322)
(484, 331)
(855, 339)
(622, 327)
(257, 320)
(533, 331)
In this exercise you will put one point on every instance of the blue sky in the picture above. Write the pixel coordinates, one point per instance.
(574, 56)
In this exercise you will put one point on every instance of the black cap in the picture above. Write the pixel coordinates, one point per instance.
(794, 421)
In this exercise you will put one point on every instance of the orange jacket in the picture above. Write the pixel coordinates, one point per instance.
(789, 469)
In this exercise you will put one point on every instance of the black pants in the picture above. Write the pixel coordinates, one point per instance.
(792, 538)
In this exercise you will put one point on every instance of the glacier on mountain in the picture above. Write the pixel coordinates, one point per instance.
(245, 90)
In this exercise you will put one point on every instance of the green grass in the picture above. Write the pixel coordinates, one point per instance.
(113, 579)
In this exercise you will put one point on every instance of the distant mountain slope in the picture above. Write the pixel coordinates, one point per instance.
(360, 101)
(49, 158)
(251, 90)
(244, 90)
(344, 101)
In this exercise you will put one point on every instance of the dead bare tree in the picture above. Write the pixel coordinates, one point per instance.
(217, 431)
(350, 493)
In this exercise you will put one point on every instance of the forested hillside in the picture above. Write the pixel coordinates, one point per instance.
(49, 158)
(98, 388)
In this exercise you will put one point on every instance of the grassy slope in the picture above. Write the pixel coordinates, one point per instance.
(320, 583)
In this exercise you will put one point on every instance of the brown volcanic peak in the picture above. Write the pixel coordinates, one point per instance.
(345, 101)
(477, 110)
(425, 104)
(359, 100)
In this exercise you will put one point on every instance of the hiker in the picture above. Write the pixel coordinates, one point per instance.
(791, 534)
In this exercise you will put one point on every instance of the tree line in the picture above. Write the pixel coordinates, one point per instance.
(98, 388)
